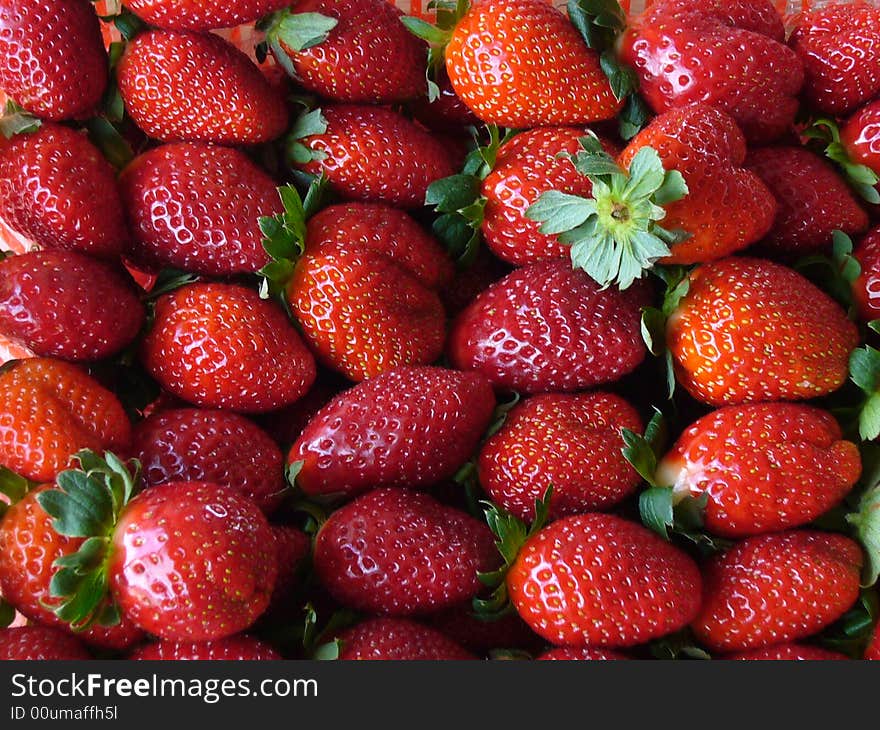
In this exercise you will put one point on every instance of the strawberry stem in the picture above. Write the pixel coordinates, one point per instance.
(860, 177)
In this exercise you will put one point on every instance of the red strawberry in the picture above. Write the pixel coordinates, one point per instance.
(239, 648)
(468, 282)
(446, 113)
(371, 153)
(750, 330)
(64, 304)
(860, 137)
(395, 639)
(598, 580)
(529, 164)
(192, 561)
(52, 59)
(813, 200)
(399, 552)
(727, 207)
(210, 446)
(788, 653)
(364, 55)
(293, 549)
(776, 588)
(866, 289)
(571, 442)
(39, 643)
(29, 547)
(57, 189)
(195, 207)
(201, 14)
(547, 327)
(584, 653)
(190, 86)
(728, 53)
(839, 45)
(363, 314)
(470, 630)
(521, 63)
(286, 424)
(221, 346)
(763, 467)
(375, 227)
(873, 651)
(411, 427)
(49, 410)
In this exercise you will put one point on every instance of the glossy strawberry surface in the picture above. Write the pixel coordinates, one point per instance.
(395, 639)
(777, 588)
(731, 55)
(57, 189)
(860, 136)
(763, 467)
(66, 305)
(190, 444)
(196, 86)
(240, 648)
(866, 288)
(571, 442)
(52, 59)
(789, 653)
(39, 643)
(586, 653)
(521, 63)
(201, 14)
(195, 206)
(221, 346)
(192, 561)
(599, 580)
(49, 410)
(547, 327)
(751, 330)
(410, 427)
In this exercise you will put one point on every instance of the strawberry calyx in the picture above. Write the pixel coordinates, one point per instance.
(654, 319)
(296, 31)
(865, 521)
(835, 274)
(284, 234)
(87, 503)
(614, 236)
(16, 120)
(511, 534)
(458, 199)
(437, 36)
(311, 122)
(860, 177)
(321, 642)
(7, 613)
(864, 371)
(13, 486)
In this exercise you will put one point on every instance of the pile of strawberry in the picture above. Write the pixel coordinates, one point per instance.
(521, 333)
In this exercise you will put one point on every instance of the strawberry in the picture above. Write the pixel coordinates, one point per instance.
(813, 200)
(521, 63)
(467, 628)
(47, 296)
(839, 45)
(529, 164)
(39, 643)
(584, 653)
(49, 409)
(293, 548)
(201, 14)
(52, 59)
(376, 227)
(601, 581)
(370, 153)
(354, 51)
(411, 427)
(858, 147)
(788, 653)
(571, 442)
(547, 327)
(29, 547)
(189, 444)
(750, 330)
(195, 207)
(873, 651)
(399, 552)
(221, 346)
(57, 189)
(727, 53)
(447, 112)
(468, 282)
(197, 87)
(866, 288)
(286, 424)
(396, 639)
(237, 648)
(777, 588)
(762, 467)
(363, 314)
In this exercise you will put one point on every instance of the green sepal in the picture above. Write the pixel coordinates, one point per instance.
(853, 631)
(301, 31)
(598, 21)
(864, 371)
(511, 534)
(107, 138)
(14, 485)
(499, 416)
(643, 452)
(614, 236)
(656, 510)
(680, 645)
(429, 33)
(836, 273)
(436, 36)
(307, 124)
(292, 471)
(451, 194)
(866, 523)
(323, 643)
(169, 280)
(654, 319)
(633, 117)
(7, 613)
(860, 177)
(16, 120)
(127, 23)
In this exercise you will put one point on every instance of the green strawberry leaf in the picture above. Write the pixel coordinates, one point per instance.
(16, 120)
(301, 31)
(598, 21)
(499, 416)
(861, 178)
(107, 138)
(633, 117)
(453, 193)
(656, 510)
(864, 370)
(866, 523)
(680, 645)
(853, 631)
(13, 485)
(7, 613)
(431, 34)
(836, 273)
